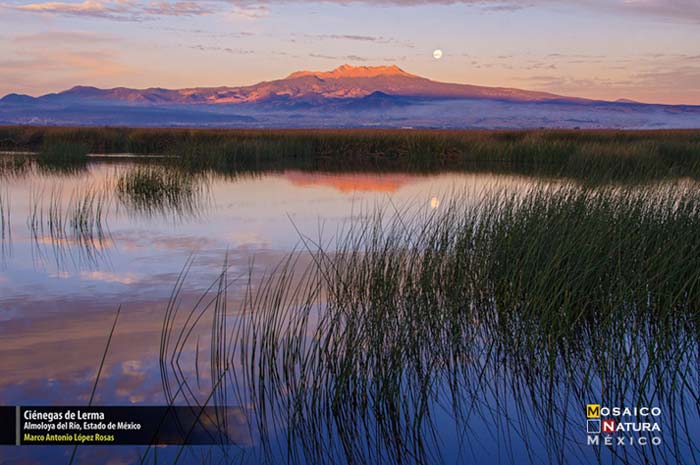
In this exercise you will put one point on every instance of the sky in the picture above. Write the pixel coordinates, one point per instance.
(643, 50)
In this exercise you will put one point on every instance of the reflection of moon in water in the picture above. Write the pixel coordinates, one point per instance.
(437, 54)
(434, 203)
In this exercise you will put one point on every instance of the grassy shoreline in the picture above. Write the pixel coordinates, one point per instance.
(593, 155)
(163, 140)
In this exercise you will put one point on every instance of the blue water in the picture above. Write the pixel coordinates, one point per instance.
(58, 298)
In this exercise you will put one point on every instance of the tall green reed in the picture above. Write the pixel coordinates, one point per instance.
(63, 157)
(74, 227)
(5, 224)
(162, 190)
(523, 307)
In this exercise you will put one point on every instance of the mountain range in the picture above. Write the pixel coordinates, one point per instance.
(348, 96)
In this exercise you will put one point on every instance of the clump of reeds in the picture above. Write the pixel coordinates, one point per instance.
(14, 166)
(63, 156)
(75, 227)
(87, 211)
(526, 306)
(150, 189)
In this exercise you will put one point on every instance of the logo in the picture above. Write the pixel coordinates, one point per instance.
(593, 411)
(622, 426)
(593, 427)
(608, 426)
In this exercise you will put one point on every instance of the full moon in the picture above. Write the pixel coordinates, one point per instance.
(437, 54)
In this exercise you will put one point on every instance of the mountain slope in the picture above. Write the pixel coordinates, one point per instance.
(382, 96)
(341, 83)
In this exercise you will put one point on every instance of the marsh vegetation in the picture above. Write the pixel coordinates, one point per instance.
(418, 333)
(516, 311)
(155, 189)
(66, 157)
(598, 156)
(5, 224)
(72, 228)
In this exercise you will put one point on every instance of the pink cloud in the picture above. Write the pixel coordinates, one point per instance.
(132, 10)
(686, 10)
(128, 10)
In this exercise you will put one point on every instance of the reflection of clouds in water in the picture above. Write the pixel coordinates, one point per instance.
(190, 243)
(130, 245)
(130, 384)
(130, 241)
(114, 387)
(251, 215)
(99, 244)
(109, 277)
(134, 382)
(60, 275)
(64, 337)
(132, 367)
(69, 387)
(55, 323)
(55, 346)
(99, 276)
(248, 239)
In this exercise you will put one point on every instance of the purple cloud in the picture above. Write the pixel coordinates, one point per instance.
(686, 10)
(124, 10)
(132, 10)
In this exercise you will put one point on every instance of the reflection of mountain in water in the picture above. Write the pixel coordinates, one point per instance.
(350, 182)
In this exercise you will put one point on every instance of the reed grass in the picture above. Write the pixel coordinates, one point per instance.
(520, 309)
(156, 189)
(12, 167)
(63, 156)
(617, 155)
(98, 374)
(75, 227)
(5, 224)
(87, 212)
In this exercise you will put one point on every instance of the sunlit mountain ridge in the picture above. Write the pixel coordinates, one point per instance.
(343, 82)
(347, 96)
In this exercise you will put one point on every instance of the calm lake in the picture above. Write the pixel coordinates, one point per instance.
(77, 245)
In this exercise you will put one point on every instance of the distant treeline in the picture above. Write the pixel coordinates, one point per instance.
(609, 153)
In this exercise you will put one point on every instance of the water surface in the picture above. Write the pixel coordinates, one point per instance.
(61, 286)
